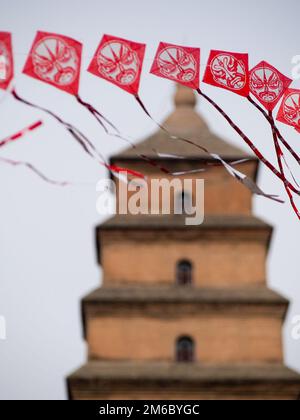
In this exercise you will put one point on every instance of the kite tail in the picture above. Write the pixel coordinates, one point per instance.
(80, 138)
(20, 133)
(118, 169)
(99, 117)
(28, 165)
(244, 179)
(249, 143)
(34, 170)
(83, 141)
(269, 117)
(289, 169)
(142, 105)
(273, 125)
(279, 155)
(119, 135)
(149, 160)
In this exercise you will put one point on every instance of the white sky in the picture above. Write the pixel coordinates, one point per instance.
(47, 255)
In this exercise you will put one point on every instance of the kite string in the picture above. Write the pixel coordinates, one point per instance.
(246, 181)
(269, 117)
(249, 142)
(35, 170)
(85, 143)
(40, 174)
(290, 171)
(279, 155)
(82, 139)
(118, 134)
(99, 117)
(151, 161)
(28, 165)
(272, 123)
(111, 168)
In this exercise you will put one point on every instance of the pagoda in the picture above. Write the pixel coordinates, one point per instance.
(184, 311)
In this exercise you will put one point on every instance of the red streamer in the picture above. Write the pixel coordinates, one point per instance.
(84, 142)
(278, 133)
(246, 181)
(7, 62)
(21, 133)
(119, 169)
(249, 142)
(99, 117)
(279, 155)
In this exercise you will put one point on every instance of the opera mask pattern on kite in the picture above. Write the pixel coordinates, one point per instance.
(267, 84)
(119, 61)
(229, 71)
(6, 60)
(177, 63)
(291, 109)
(55, 59)
(5, 64)
(289, 112)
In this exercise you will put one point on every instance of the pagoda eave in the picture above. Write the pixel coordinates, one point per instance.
(172, 301)
(112, 380)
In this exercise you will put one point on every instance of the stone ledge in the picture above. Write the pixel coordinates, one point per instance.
(162, 380)
(180, 294)
(168, 371)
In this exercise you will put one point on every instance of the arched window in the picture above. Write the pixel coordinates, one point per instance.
(185, 349)
(184, 272)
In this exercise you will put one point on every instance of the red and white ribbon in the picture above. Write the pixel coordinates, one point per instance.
(250, 143)
(242, 178)
(21, 133)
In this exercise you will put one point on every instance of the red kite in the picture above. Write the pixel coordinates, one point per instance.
(228, 70)
(6, 60)
(120, 62)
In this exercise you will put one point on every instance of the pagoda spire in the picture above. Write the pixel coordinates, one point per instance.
(184, 96)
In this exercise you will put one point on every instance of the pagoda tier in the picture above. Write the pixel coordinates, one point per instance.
(166, 381)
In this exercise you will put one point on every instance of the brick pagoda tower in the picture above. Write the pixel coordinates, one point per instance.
(184, 311)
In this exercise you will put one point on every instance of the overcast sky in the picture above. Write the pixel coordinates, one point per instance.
(47, 255)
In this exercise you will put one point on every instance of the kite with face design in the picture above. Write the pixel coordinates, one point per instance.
(5, 65)
(6, 60)
(55, 59)
(177, 63)
(267, 84)
(119, 61)
(289, 111)
(228, 70)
